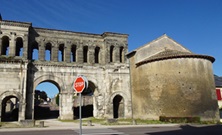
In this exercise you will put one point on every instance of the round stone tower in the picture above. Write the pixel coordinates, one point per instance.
(171, 81)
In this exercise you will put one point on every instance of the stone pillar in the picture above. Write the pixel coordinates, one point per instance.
(116, 54)
(79, 54)
(12, 44)
(115, 50)
(91, 54)
(21, 112)
(108, 55)
(66, 106)
(0, 46)
(41, 51)
(67, 53)
(54, 53)
(25, 47)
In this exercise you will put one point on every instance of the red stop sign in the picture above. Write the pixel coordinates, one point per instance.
(79, 84)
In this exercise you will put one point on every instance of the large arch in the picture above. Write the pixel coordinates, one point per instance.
(54, 80)
(12, 94)
(59, 82)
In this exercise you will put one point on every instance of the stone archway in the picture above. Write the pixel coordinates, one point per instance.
(118, 107)
(11, 106)
(65, 98)
(45, 105)
(88, 101)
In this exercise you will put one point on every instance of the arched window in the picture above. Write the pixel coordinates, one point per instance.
(85, 54)
(5, 46)
(48, 51)
(35, 51)
(121, 54)
(61, 53)
(19, 47)
(73, 54)
(111, 53)
(97, 51)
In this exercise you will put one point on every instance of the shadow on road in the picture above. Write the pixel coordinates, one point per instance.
(192, 130)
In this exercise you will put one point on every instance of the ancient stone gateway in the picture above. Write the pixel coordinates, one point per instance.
(30, 56)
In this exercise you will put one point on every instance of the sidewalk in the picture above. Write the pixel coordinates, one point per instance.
(54, 124)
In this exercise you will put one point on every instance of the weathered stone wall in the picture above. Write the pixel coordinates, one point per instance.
(99, 57)
(182, 87)
(156, 46)
(12, 80)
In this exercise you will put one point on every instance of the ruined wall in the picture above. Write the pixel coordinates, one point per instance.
(99, 57)
(12, 80)
(180, 87)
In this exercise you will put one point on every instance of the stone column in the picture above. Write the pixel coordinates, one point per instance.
(67, 51)
(116, 54)
(66, 106)
(0, 46)
(54, 53)
(91, 54)
(25, 47)
(115, 50)
(21, 112)
(107, 54)
(79, 54)
(41, 51)
(12, 45)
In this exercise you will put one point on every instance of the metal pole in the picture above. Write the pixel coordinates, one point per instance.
(80, 113)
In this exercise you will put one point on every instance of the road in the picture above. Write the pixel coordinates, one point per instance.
(146, 130)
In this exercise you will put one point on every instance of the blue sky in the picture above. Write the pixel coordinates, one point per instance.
(196, 24)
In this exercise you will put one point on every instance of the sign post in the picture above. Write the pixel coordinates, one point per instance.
(79, 85)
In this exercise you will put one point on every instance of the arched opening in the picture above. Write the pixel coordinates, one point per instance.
(46, 102)
(97, 51)
(10, 109)
(111, 53)
(73, 54)
(5, 46)
(48, 51)
(121, 54)
(35, 51)
(87, 102)
(118, 107)
(61, 53)
(85, 54)
(19, 47)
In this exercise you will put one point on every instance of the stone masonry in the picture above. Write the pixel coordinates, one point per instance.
(24, 64)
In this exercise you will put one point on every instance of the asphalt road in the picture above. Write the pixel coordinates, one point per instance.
(171, 130)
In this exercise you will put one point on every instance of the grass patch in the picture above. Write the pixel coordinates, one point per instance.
(140, 121)
(9, 125)
(115, 121)
(180, 119)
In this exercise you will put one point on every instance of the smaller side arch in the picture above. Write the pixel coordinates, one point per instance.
(19, 99)
(118, 104)
(11, 93)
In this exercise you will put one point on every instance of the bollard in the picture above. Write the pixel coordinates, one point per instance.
(89, 123)
(41, 124)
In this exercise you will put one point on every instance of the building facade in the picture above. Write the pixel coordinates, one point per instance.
(169, 80)
(30, 56)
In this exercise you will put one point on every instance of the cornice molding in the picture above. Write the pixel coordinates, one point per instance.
(15, 23)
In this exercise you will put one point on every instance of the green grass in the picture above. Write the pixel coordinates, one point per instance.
(117, 122)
